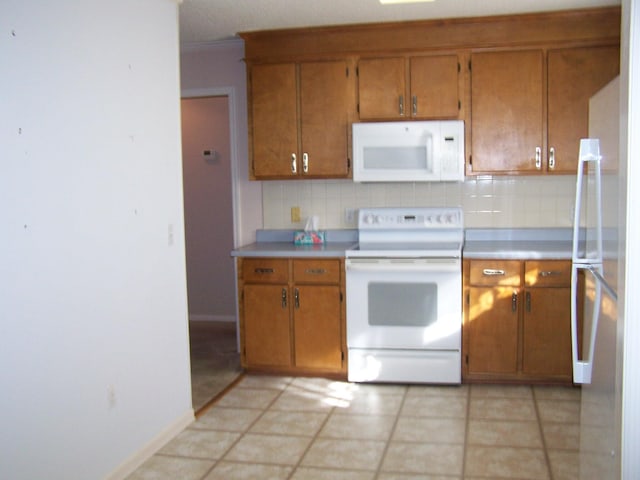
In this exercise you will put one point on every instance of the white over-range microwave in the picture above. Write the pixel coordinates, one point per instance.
(428, 151)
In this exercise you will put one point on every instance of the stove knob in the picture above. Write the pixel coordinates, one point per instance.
(368, 219)
(379, 219)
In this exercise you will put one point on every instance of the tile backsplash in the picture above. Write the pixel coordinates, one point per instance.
(487, 201)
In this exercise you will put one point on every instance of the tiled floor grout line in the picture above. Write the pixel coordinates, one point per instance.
(541, 429)
(313, 439)
(378, 471)
(465, 448)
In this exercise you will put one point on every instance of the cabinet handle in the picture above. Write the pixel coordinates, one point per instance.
(549, 273)
(315, 271)
(263, 270)
(296, 296)
(552, 158)
(305, 162)
(401, 105)
(284, 298)
(538, 158)
(491, 272)
(294, 163)
(414, 105)
(527, 301)
(514, 302)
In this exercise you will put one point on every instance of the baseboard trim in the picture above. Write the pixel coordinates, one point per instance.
(146, 452)
(211, 318)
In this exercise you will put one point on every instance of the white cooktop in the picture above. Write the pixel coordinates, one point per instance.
(425, 232)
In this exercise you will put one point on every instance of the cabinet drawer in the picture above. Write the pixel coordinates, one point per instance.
(316, 271)
(265, 270)
(494, 272)
(547, 273)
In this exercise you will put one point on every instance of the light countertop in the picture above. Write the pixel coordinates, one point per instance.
(523, 243)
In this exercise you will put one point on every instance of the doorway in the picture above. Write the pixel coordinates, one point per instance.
(209, 239)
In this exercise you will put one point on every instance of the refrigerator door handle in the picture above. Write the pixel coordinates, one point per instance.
(582, 367)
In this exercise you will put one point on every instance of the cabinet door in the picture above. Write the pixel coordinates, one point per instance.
(575, 74)
(317, 327)
(381, 88)
(492, 330)
(434, 86)
(547, 332)
(507, 111)
(266, 329)
(324, 122)
(274, 132)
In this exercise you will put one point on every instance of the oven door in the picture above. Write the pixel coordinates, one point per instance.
(404, 303)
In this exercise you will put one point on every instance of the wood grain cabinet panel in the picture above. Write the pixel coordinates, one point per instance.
(292, 315)
(299, 120)
(267, 340)
(492, 331)
(530, 108)
(414, 87)
(274, 120)
(507, 102)
(575, 75)
(517, 320)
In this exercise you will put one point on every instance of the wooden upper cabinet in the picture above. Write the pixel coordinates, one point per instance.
(299, 120)
(381, 88)
(507, 111)
(418, 87)
(511, 130)
(324, 119)
(434, 86)
(574, 75)
(274, 119)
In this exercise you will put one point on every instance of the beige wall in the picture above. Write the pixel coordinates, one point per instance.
(503, 202)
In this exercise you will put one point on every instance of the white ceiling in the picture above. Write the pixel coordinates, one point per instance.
(203, 21)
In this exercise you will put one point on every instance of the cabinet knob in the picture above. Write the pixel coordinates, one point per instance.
(294, 164)
(401, 105)
(514, 302)
(552, 158)
(538, 158)
(305, 163)
(414, 105)
(284, 298)
(296, 295)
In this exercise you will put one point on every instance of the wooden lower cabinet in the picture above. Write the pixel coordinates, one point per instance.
(517, 321)
(292, 315)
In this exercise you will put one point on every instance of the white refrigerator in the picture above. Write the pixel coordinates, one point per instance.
(596, 345)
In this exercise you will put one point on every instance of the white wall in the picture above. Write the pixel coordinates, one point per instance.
(93, 311)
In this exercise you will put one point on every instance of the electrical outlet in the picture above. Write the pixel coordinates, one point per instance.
(349, 215)
(295, 214)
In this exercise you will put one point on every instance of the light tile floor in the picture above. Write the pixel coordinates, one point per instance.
(317, 429)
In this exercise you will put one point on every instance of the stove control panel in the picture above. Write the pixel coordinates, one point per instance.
(418, 218)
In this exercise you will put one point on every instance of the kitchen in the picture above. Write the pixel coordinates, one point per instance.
(104, 277)
(531, 203)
